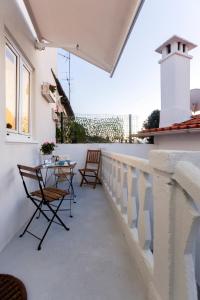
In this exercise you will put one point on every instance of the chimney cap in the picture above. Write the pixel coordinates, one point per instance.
(176, 38)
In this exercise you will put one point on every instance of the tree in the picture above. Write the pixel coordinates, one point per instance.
(94, 129)
(77, 133)
(152, 121)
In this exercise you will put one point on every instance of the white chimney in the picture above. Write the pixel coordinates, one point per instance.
(175, 80)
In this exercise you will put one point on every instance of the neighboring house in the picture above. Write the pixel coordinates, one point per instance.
(25, 116)
(178, 128)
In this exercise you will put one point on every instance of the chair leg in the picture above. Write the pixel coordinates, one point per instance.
(70, 208)
(31, 219)
(51, 221)
(95, 183)
(27, 226)
(56, 216)
(72, 188)
(81, 181)
(83, 178)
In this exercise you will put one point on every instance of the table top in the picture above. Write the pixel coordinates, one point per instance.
(57, 164)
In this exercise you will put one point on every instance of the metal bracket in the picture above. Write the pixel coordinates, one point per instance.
(40, 45)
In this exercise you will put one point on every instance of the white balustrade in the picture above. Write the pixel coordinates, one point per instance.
(158, 205)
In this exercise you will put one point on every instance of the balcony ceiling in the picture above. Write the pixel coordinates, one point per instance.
(94, 30)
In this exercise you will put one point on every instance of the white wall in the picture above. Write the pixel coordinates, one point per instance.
(14, 208)
(187, 141)
(78, 152)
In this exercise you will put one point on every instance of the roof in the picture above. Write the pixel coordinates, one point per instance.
(94, 30)
(176, 38)
(64, 99)
(191, 125)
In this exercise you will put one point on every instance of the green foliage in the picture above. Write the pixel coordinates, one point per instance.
(76, 133)
(58, 134)
(92, 130)
(152, 121)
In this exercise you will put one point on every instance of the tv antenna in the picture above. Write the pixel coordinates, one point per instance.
(68, 78)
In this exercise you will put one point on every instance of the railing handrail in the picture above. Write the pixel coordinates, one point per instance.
(187, 175)
(159, 216)
(133, 161)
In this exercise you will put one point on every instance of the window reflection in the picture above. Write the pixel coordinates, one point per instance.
(11, 88)
(25, 99)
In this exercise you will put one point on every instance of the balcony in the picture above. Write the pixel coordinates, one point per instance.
(134, 237)
(91, 261)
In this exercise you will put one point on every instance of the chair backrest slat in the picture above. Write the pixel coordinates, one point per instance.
(93, 156)
(29, 175)
(30, 169)
(30, 172)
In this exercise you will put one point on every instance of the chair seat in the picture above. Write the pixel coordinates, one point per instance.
(88, 170)
(50, 194)
(64, 174)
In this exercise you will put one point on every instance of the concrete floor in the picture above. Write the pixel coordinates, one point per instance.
(90, 262)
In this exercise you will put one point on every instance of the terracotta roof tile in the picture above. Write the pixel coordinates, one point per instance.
(193, 122)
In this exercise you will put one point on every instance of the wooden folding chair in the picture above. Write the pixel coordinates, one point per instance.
(43, 196)
(66, 174)
(91, 169)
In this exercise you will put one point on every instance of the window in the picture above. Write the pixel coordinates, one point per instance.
(168, 49)
(17, 90)
(11, 89)
(25, 100)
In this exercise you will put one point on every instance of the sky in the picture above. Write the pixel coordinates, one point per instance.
(135, 86)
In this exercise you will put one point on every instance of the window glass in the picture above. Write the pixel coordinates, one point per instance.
(11, 88)
(25, 106)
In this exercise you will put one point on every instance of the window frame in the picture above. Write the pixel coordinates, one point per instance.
(21, 63)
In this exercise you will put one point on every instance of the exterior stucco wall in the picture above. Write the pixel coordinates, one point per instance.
(78, 152)
(187, 141)
(15, 209)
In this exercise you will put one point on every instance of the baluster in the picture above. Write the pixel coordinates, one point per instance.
(111, 176)
(118, 182)
(144, 224)
(123, 200)
(114, 180)
(103, 169)
(132, 197)
(106, 171)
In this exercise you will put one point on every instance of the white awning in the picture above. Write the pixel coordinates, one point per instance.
(95, 30)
